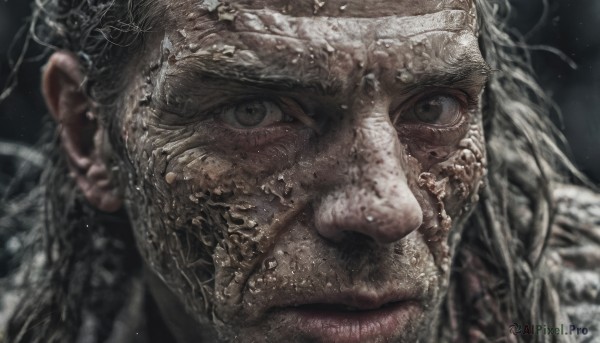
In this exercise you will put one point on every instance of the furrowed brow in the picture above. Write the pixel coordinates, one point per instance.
(465, 74)
(197, 74)
(193, 72)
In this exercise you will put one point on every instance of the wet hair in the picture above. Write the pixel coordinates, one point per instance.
(499, 274)
(90, 263)
(90, 260)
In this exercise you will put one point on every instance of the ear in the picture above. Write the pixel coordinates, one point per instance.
(82, 137)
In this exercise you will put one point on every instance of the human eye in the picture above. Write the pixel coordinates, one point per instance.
(437, 109)
(253, 114)
(437, 117)
(256, 121)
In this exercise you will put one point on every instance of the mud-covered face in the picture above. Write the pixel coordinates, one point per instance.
(296, 167)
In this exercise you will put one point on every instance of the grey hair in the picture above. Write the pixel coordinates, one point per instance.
(499, 275)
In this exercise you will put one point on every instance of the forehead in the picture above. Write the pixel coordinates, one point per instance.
(179, 10)
(309, 20)
(318, 40)
(346, 19)
(353, 8)
(337, 8)
(335, 21)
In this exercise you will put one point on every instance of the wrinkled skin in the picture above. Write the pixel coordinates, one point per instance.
(349, 195)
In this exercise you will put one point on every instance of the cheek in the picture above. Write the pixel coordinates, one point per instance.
(201, 221)
(448, 185)
(174, 217)
(465, 172)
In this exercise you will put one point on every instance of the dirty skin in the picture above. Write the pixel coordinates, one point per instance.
(341, 184)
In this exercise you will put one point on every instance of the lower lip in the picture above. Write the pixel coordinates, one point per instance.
(349, 327)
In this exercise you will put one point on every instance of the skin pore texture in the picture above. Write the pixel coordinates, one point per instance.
(340, 195)
(296, 165)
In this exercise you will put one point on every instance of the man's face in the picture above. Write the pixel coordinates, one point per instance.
(297, 166)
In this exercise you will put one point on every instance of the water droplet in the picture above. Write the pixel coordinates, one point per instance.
(270, 263)
(170, 178)
(405, 77)
(317, 5)
(228, 50)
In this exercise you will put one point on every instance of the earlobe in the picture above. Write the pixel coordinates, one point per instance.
(82, 137)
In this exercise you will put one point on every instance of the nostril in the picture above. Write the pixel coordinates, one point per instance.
(354, 244)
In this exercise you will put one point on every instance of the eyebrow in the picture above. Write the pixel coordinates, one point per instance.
(465, 72)
(190, 72)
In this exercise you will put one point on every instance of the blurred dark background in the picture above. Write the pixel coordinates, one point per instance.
(21, 112)
(569, 25)
(572, 27)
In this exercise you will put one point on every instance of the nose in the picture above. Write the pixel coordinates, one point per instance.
(374, 198)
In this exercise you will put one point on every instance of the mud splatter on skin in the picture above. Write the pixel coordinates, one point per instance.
(238, 222)
(453, 182)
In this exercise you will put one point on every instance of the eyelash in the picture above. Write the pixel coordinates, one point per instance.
(463, 98)
(253, 138)
(442, 135)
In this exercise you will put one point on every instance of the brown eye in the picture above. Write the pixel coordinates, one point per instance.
(252, 114)
(437, 110)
